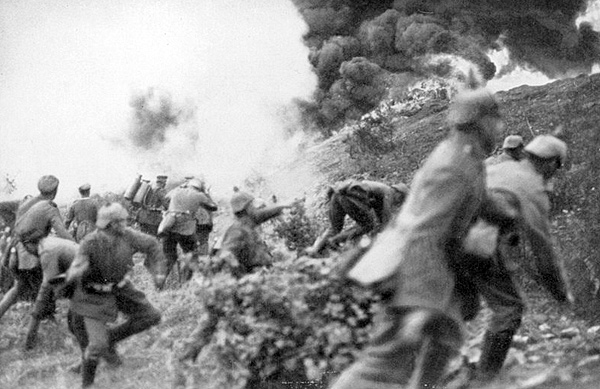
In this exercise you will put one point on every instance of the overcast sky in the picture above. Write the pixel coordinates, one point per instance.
(68, 70)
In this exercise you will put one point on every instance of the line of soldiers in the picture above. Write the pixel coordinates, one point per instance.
(451, 243)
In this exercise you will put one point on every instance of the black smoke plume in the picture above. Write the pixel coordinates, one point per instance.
(356, 44)
(154, 113)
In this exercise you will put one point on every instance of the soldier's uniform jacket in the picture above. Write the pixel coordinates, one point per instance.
(36, 217)
(184, 203)
(445, 198)
(521, 181)
(375, 195)
(83, 212)
(242, 245)
(101, 268)
(153, 206)
(8, 211)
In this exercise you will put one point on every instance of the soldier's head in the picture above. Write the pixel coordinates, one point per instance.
(84, 190)
(48, 186)
(548, 154)
(197, 184)
(161, 181)
(513, 145)
(477, 112)
(112, 216)
(241, 203)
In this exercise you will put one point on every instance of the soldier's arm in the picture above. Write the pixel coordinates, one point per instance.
(79, 267)
(70, 216)
(207, 202)
(552, 274)
(156, 262)
(58, 225)
(500, 207)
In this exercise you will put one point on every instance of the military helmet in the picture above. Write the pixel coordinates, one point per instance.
(47, 184)
(240, 201)
(85, 187)
(109, 213)
(512, 142)
(470, 105)
(161, 178)
(196, 183)
(548, 146)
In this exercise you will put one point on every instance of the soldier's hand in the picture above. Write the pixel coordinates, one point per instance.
(159, 281)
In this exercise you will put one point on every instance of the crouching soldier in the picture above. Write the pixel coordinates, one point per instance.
(56, 255)
(103, 288)
(371, 204)
(242, 250)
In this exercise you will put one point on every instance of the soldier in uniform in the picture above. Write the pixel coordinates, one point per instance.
(35, 219)
(82, 213)
(150, 214)
(518, 187)
(103, 288)
(242, 250)
(418, 330)
(179, 224)
(512, 150)
(56, 255)
(371, 204)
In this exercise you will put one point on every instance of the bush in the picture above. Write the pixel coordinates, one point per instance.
(290, 323)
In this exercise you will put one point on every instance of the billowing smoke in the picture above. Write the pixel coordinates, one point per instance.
(402, 36)
(154, 114)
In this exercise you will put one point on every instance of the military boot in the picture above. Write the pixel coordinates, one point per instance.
(430, 365)
(88, 371)
(493, 353)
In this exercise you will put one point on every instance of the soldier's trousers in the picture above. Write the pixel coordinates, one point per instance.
(411, 346)
(97, 338)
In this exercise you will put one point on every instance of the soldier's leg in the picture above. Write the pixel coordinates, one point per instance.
(76, 325)
(200, 337)
(503, 297)
(141, 315)
(98, 346)
(169, 244)
(189, 247)
(411, 346)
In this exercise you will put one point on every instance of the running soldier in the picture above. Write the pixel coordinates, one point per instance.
(100, 272)
(36, 218)
(419, 329)
(520, 188)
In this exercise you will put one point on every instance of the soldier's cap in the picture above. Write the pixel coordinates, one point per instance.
(188, 177)
(401, 187)
(109, 213)
(547, 146)
(240, 201)
(47, 184)
(196, 183)
(161, 178)
(471, 105)
(512, 142)
(85, 187)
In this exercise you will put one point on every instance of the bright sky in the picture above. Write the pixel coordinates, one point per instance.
(68, 69)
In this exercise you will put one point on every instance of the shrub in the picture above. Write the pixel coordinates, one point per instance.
(292, 322)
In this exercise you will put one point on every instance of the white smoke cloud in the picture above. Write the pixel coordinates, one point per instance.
(68, 70)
